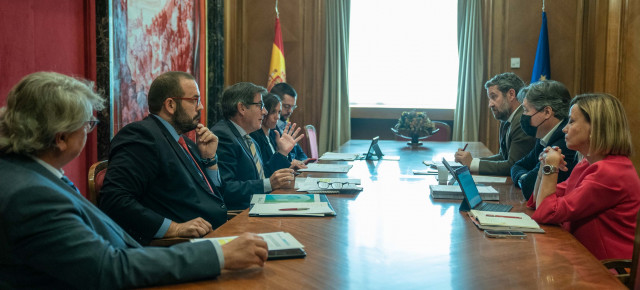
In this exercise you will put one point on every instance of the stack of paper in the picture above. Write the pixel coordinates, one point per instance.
(454, 192)
(312, 185)
(505, 221)
(332, 156)
(435, 164)
(324, 167)
(280, 244)
(290, 205)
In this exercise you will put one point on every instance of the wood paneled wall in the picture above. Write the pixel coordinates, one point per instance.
(249, 33)
(593, 46)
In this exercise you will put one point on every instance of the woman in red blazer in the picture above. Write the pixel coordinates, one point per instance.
(598, 203)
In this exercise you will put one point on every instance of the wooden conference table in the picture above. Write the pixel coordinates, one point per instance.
(393, 234)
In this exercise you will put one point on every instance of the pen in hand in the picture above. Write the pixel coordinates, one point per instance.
(465, 146)
(504, 216)
(294, 208)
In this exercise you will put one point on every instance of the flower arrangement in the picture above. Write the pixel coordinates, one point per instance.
(414, 124)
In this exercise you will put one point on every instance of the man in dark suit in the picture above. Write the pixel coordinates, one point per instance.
(241, 167)
(159, 183)
(51, 237)
(289, 98)
(546, 109)
(502, 91)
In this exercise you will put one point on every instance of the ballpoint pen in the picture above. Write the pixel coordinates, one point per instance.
(465, 146)
(294, 208)
(504, 216)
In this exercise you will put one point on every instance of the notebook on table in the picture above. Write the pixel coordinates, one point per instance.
(472, 199)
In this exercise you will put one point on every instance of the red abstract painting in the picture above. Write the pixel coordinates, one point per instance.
(151, 37)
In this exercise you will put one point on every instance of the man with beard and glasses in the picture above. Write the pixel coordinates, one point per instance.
(160, 184)
(502, 91)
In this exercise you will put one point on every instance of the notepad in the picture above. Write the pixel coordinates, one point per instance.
(291, 205)
(324, 167)
(455, 192)
(282, 245)
(510, 221)
(435, 164)
(332, 156)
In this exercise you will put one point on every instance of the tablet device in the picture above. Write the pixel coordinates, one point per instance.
(287, 254)
(374, 149)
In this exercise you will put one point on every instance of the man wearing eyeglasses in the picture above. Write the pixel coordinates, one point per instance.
(289, 97)
(242, 169)
(160, 184)
(53, 237)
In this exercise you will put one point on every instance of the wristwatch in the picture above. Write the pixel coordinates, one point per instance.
(549, 169)
(208, 162)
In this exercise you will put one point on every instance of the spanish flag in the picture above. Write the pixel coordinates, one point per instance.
(277, 71)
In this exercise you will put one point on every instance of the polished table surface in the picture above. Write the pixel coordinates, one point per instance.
(393, 234)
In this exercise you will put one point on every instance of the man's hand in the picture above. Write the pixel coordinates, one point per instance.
(245, 251)
(207, 141)
(194, 228)
(290, 136)
(297, 164)
(463, 157)
(282, 178)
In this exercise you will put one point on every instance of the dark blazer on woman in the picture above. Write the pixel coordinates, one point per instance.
(265, 149)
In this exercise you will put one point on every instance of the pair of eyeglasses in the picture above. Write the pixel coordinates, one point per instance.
(90, 125)
(335, 185)
(289, 107)
(261, 104)
(191, 99)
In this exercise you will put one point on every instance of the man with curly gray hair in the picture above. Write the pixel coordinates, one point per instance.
(53, 237)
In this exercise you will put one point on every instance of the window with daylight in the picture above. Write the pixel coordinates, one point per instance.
(403, 54)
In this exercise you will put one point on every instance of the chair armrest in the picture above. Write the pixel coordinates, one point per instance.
(616, 263)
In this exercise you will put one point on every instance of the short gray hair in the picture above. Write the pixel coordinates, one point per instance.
(549, 93)
(42, 105)
(505, 82)
(239, 93)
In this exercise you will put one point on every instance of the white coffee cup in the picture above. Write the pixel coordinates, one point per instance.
(443, 175)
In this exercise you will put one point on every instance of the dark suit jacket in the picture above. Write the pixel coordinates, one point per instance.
(51, 237)
(530, 165)
(150, 178)
(239, 174)
(518, 144)
(265, 150)
(297, 152)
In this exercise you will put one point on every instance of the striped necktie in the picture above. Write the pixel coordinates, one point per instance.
(69, 183)
(254, 154)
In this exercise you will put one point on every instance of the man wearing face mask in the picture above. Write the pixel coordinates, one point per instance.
(546, 107)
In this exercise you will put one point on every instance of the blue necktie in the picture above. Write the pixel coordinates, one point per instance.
(68, 182)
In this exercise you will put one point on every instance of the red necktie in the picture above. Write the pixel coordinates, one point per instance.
(184, 145)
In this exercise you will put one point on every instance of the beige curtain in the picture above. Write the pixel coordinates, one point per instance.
(335, 125)
(470, 84)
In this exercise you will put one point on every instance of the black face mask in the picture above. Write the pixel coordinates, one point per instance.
(525, 124)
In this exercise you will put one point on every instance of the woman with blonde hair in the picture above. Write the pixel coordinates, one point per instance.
(599, 201)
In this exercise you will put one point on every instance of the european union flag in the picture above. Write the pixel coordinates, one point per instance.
(541, 67)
